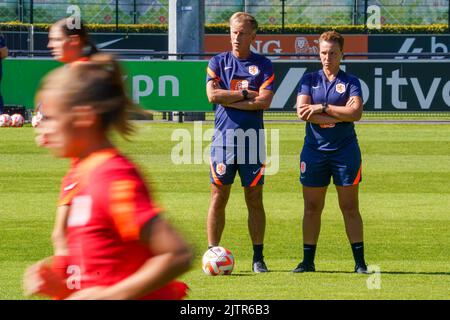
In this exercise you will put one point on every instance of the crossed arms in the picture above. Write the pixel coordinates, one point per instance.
(306, 111)
(256, 100)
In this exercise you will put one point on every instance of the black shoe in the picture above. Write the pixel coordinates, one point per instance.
(302, 267)
(361, 268)
(260, 266)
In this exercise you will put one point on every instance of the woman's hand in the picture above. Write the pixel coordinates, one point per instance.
(41, 279)
(305, 111)
(93, 293)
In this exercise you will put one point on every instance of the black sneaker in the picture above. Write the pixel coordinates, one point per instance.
(259, 267)
(302, 267)
(361, 268)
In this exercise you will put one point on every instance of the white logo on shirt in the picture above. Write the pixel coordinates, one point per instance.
(226, 68)
(70, 186)
(80, 211)
(340, 88)
(255, 172)
(253, 70)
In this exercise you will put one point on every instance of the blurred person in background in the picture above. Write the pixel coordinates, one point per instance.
(70, 45)
(3, 55)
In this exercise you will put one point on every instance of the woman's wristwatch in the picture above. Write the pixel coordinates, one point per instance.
(324, 107)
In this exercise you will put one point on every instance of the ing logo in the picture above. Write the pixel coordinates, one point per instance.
(239, 84)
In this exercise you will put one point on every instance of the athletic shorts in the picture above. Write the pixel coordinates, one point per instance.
(224, 166)
(344, 165)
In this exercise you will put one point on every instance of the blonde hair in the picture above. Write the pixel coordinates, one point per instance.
(245, 17)
(97, 83)
(333, 36)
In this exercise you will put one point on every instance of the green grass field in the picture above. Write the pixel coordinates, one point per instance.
(404, 200)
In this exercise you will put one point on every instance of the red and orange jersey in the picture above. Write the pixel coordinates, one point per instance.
(68, 184)
(109, 206)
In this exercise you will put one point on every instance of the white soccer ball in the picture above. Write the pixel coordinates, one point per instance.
(5, 120)
(17, 120)
(218, 261)
(36, 120)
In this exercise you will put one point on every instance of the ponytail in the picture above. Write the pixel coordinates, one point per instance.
(89, 48)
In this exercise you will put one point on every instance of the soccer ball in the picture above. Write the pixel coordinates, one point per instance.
(36, 120)
(17, 120)
(5, 120)
(217, 261)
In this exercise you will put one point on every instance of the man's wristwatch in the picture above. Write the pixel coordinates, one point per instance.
(324, 107)
(245, 94)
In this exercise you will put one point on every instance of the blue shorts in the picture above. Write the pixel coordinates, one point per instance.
(317, 167)
(224, 167)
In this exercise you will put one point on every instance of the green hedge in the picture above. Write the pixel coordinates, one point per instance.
(266, 29)
(317, 29)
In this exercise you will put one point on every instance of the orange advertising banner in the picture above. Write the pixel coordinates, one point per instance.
(285, 44)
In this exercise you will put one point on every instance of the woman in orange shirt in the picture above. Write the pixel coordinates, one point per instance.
(118, 245)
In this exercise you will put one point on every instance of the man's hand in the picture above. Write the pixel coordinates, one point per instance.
(3, 53)
(215, 84)
(224, 97)
(252, 94)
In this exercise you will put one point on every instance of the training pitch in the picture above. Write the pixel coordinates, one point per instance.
(404, 202)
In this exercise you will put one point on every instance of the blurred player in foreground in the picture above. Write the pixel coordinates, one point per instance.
(119, 246)
(330, 100)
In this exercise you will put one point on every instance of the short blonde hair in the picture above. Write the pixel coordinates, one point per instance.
(245, 17)
(333, 36)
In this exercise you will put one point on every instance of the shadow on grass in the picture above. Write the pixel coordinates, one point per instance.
(382, 272)
(242, 274)
(424, 273)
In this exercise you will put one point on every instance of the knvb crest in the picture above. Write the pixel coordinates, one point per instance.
(253, 70)
(340, 88)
